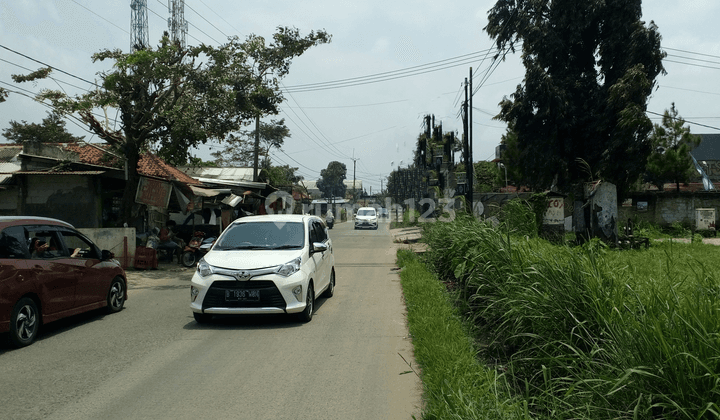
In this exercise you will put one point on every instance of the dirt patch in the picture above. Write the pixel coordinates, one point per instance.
(706, 241)
(164, 274)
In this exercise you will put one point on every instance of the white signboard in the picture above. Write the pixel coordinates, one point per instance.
(555, 213)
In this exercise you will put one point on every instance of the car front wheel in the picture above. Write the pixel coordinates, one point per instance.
(24, 322)
(307, 314)
(116, 295)
(330, 291)
(202, 318)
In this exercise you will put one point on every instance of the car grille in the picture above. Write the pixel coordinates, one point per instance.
(269, 295)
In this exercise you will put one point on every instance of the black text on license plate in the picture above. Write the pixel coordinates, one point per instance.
(242, 295)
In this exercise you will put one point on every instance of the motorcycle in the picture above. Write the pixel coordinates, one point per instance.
(196, 248)
(329, 220)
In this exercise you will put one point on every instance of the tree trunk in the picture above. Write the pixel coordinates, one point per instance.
(131, 184)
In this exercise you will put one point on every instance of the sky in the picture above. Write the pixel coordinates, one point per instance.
(394, 62)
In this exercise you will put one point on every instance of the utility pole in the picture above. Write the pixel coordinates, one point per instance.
(257, 148)
(354, 161)
(470, 170)
(466, 149)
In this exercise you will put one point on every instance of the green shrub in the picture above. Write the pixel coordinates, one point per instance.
(589, 332)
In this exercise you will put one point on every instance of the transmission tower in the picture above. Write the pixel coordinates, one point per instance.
(139, 38)
(177, 26)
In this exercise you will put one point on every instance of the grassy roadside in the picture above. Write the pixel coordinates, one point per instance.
(586, 332)
(456, 384)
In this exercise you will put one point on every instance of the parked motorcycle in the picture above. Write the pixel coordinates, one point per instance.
(329, 220)
(196, 248)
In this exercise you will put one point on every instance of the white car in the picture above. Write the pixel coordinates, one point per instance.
(271, 264)
(366, 217)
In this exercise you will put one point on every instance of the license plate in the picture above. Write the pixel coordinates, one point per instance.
(242, 295)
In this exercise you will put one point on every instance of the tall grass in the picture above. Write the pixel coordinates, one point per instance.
(456, 385)
(588, 332)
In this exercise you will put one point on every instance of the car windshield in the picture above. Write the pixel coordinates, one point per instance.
(262, 235)
(366, 212)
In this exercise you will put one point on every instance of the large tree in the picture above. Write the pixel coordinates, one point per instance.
(172, 99)
(331, 180)
(282, 176)
(672, 143)
(590, 68)
(239, 147)
(50, 130)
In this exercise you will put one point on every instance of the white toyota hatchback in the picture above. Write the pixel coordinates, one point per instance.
(270, 264)
(366, 217)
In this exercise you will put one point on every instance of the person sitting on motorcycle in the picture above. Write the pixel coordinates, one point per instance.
(169, 240)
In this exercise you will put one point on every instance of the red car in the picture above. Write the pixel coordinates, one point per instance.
(48, 271)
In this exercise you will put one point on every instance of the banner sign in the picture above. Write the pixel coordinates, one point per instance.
(153, 192)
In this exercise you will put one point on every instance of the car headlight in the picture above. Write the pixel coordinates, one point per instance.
(290, 268)
(204, 268)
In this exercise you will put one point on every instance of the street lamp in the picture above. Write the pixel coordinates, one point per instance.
(501, 165)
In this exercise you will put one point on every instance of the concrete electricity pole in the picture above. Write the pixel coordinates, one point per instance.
(354, 161)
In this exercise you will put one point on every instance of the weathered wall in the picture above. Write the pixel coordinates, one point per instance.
(72, 198)
(9, 202)
(113, 239)
(493, 202)
(666, 208)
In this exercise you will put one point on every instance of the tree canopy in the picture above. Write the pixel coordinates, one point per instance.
(239, 149)
(171, 99)
(331, 180)
(282, 176)
(590, 67)
(50, 130)
(672, 143)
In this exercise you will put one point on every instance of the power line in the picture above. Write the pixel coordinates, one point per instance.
(51, 78)
(352, 106)
(690, 90)
(220, 16)
(316, 127)
(47, 65)
(691, 64)
(112, 23)
(386, 76)
(689, 122)
(203, 18)
(693, 59)
(691, 52)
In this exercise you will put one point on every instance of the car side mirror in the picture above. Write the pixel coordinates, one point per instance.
(319, 247)
(106, 255)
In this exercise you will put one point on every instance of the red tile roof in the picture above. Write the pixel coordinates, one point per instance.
(149, 165)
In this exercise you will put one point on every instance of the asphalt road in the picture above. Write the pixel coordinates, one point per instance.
(352, 361)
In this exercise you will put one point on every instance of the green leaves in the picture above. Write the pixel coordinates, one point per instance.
(671, 146)
(331, 180)
(590, 67)
(51, 130)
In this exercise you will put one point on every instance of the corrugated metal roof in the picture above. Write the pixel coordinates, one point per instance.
(227, 174)
(9, 167)
(238, 183)
(9, 152)
(709, 148)
(60, 173)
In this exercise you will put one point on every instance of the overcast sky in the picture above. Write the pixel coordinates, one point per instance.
(417, 55)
